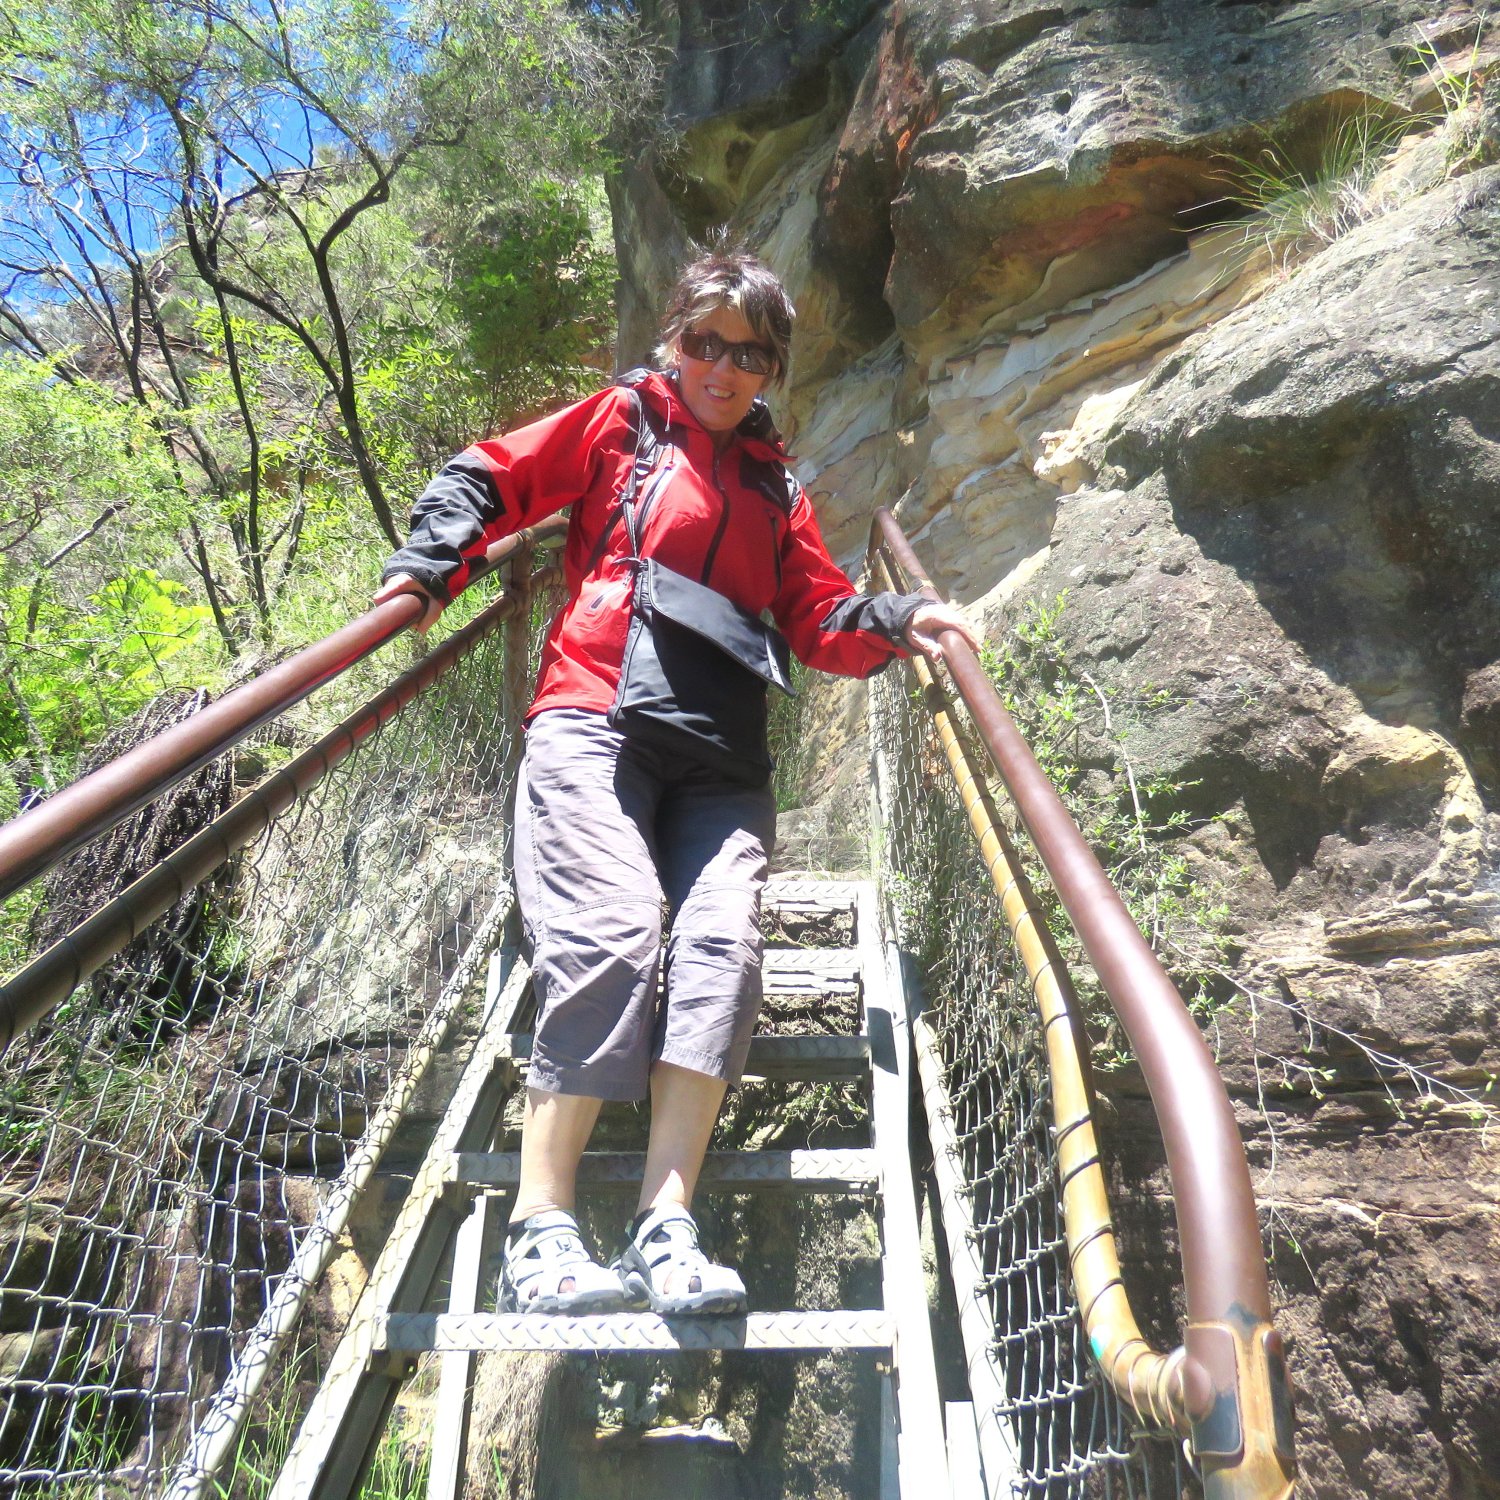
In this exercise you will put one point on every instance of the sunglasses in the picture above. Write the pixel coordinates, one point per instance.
(755, 359)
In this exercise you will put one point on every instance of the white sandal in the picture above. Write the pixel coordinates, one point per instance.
(662, 1267)
(546, 1268)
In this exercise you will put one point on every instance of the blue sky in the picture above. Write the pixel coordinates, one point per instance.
(135, 166)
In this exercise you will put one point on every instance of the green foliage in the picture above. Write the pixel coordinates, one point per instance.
(88, 622)
(532, 285)
(502, 316)
(80, 669)
(264, 1444)
(840, 14)
(1134, 826)
(398, 1470)
(400, 1466)
(1470, 139)
(73, 450)
(352, 239)
(99, 1428)
(16, 913)
(94, 1077)
(789, 746)
(1458, 88)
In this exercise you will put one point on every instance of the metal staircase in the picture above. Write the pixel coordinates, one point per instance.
(460, 1193)
(202, 1077)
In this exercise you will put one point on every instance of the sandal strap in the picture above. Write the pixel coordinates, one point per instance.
(669, 1236)
(546, 1242)
(663, 1266)
(555, 1226)
(670, 1220)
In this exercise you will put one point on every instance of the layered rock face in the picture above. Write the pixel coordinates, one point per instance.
(1266, 484)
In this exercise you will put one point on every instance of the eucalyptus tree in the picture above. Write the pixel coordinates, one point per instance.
(199, 196)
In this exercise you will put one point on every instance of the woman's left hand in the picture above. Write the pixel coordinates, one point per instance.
(929, 622)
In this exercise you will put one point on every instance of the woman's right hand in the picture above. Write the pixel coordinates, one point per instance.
(404, 583)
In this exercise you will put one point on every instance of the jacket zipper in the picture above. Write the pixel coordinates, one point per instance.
(713, 546)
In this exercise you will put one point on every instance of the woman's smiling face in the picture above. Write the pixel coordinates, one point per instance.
(719, 394)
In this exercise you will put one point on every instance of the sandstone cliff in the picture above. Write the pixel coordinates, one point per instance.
(1263, 474)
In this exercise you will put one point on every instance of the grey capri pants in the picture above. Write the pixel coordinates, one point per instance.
(604, 828)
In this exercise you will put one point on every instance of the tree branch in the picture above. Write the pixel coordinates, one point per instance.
(107, 514)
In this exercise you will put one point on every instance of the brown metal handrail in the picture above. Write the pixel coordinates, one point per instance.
(166, 759)
(36, 840)
(1150, 1382)
(1232, 1384)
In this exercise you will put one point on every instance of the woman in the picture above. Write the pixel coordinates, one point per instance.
(608, 820)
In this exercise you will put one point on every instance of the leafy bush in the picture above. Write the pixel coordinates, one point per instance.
(81, 669)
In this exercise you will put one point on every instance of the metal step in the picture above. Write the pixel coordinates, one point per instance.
(809, 895)
(810, 971)
(851, 1171)
(403, 1335)
(780, 1057)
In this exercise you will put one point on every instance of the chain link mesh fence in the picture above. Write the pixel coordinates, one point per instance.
(168, 1132)
(1072, 1435)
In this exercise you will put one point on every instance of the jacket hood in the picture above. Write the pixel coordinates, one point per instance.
(757, 431)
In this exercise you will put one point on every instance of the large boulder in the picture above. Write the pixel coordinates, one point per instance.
(1076, 145)
(1284, 563)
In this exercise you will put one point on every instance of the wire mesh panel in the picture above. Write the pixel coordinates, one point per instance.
(1071, 1433)
(167, 1134)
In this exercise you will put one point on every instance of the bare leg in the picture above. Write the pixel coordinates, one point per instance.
(684, 1106)
(555, 1131)
(666, 1268)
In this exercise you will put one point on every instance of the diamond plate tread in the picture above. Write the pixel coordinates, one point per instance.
(802, 971)
(820, 895)
(771, 1056)
(814, 960)
(808, 1056)
(485, 1333)
(848, 1171)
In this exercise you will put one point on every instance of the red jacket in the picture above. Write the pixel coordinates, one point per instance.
(712, 517)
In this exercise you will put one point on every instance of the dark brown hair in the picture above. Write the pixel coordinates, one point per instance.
(725, 275)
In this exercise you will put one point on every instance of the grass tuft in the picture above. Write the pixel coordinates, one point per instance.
(1301, 202)
(1471, 135)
